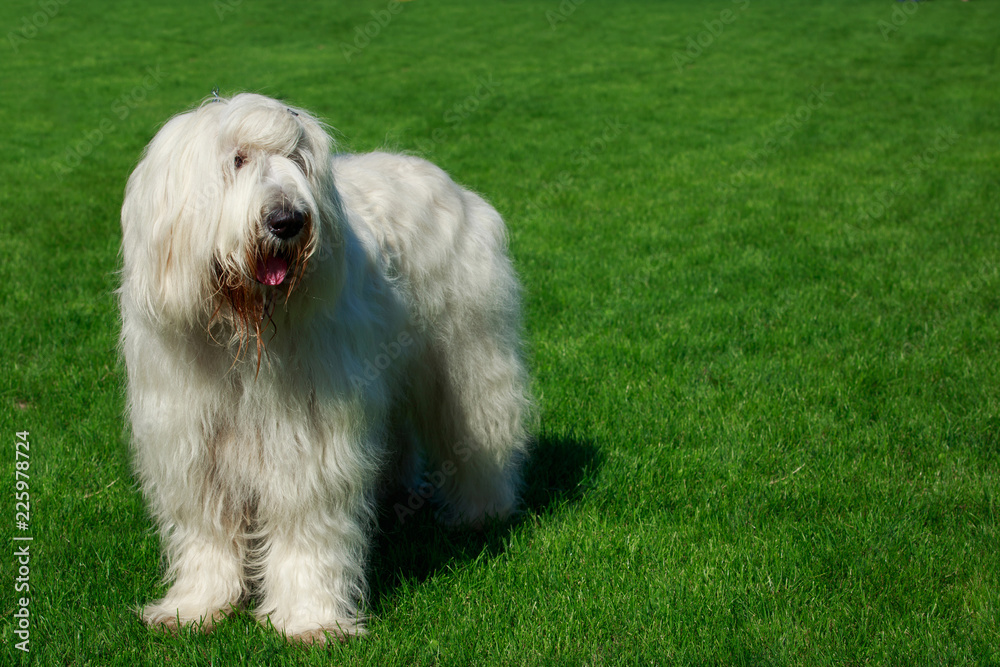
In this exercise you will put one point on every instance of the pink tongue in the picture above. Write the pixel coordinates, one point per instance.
(272, 270)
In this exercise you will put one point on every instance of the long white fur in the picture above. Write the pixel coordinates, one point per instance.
(401, 344)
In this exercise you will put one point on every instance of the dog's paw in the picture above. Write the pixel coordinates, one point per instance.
(339, 632)
(493, 500)
(170, 618)
(474, 518)
(306, 632)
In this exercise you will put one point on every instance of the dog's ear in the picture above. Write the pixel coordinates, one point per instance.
(169, 219)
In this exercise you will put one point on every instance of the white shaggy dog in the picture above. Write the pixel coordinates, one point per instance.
(298, 327)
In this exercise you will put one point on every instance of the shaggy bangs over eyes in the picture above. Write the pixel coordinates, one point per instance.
(273, 129)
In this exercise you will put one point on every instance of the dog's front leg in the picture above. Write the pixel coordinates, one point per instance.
(201, 522)
(314, 537)
(206, 572)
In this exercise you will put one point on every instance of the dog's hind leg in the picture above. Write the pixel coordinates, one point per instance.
(473, 426)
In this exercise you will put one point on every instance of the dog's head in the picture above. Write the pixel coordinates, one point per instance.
(225, 211)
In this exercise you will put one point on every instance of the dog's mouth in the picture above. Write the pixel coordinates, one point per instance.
(271, 270)
(283, 225)
(276, 264)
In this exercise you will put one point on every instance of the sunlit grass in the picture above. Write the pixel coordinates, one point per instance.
(762, 304)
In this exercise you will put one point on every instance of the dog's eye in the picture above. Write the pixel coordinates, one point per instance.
(239, 160)
(299, 161)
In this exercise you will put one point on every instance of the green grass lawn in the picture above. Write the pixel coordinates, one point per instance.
(761, 253)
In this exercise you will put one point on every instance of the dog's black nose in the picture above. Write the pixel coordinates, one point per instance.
(286, 224)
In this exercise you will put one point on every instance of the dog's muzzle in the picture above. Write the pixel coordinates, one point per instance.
(283, 224)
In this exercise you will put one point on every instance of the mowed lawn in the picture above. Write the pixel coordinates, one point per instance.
(759, 242)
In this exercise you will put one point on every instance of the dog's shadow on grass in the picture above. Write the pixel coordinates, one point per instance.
(411, 546)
